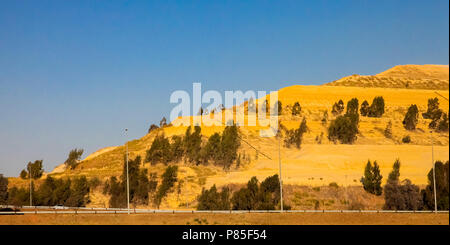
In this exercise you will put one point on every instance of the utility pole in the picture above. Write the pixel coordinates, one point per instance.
(279, 163)
(128, 182)
(29, 175)
(434, 171)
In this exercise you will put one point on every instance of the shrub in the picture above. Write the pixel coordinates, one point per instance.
(442, 187)
(296, 109)
(388, 130)
(377, 107)
(352, 106)
(169, 178)
(160, 151)
(338, 108)
(411, 118)
(3, 190)
(35, 168)
(138, 185)
(364, 108)
(343, 128)
(324, 117)
(264, 196)
(433, 110)
(278, 108)
(406, 139)
(443, 125)
(401, 195)
(334, 185)
(372, 179)
(73, 158)
(192, 144)
(213, 200)
(19, 196)
(163, 122)
(295, 136)
(23, 174)
(152, 128)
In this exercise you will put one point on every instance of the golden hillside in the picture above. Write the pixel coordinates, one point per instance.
(403, 76)
(317, 163)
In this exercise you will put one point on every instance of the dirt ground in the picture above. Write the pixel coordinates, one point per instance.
(229, 219)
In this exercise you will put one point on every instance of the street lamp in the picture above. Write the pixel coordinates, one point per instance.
(279, 163)
(434, 171)
(128, 182)
(29, 175)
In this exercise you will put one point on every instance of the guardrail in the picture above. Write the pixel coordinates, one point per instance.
(86, 210)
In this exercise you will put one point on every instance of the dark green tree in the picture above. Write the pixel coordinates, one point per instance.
(160, 151)
(401, 195)
(35, 168)
(352, 106)
(372, 179)
(296, 109)
(23, 174)
(74, 158)
(169, 178)
(344, 129)
(3, 190)
(364, 108)
(377, 107)
(213, 200)
(411, 118)
(338, 108)
(442, 187)
(295, 136)
(152, 128)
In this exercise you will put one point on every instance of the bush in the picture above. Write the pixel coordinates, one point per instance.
(338, 108)
(295, 136)
(160, 151)
(377, 107)
(333, 185)
(152, 128)
(388, 130)
(372, 179)
(443, 125)
(343, 128)
(213, 200)
(73, 158)
(364, 108)
(139, 185)
(401, 195)
(169, 178)
(264, 196)
(192, 144)
(23, 174)
(278, 108)
(433, 110)
(35, 168)
(442, 187)
(352, 106)
(411, 118)
(406, 139)
(3, 190)
(18, 196)
(296, 109)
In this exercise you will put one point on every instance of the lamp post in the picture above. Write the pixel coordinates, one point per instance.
(128, 182)
(434, 171)
(279, 163)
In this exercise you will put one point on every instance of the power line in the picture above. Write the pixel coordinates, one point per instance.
(440, 95)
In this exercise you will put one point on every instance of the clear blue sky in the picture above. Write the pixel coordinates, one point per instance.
(76, 73)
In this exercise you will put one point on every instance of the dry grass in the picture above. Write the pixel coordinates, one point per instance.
(229, 219)
(314, 164)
